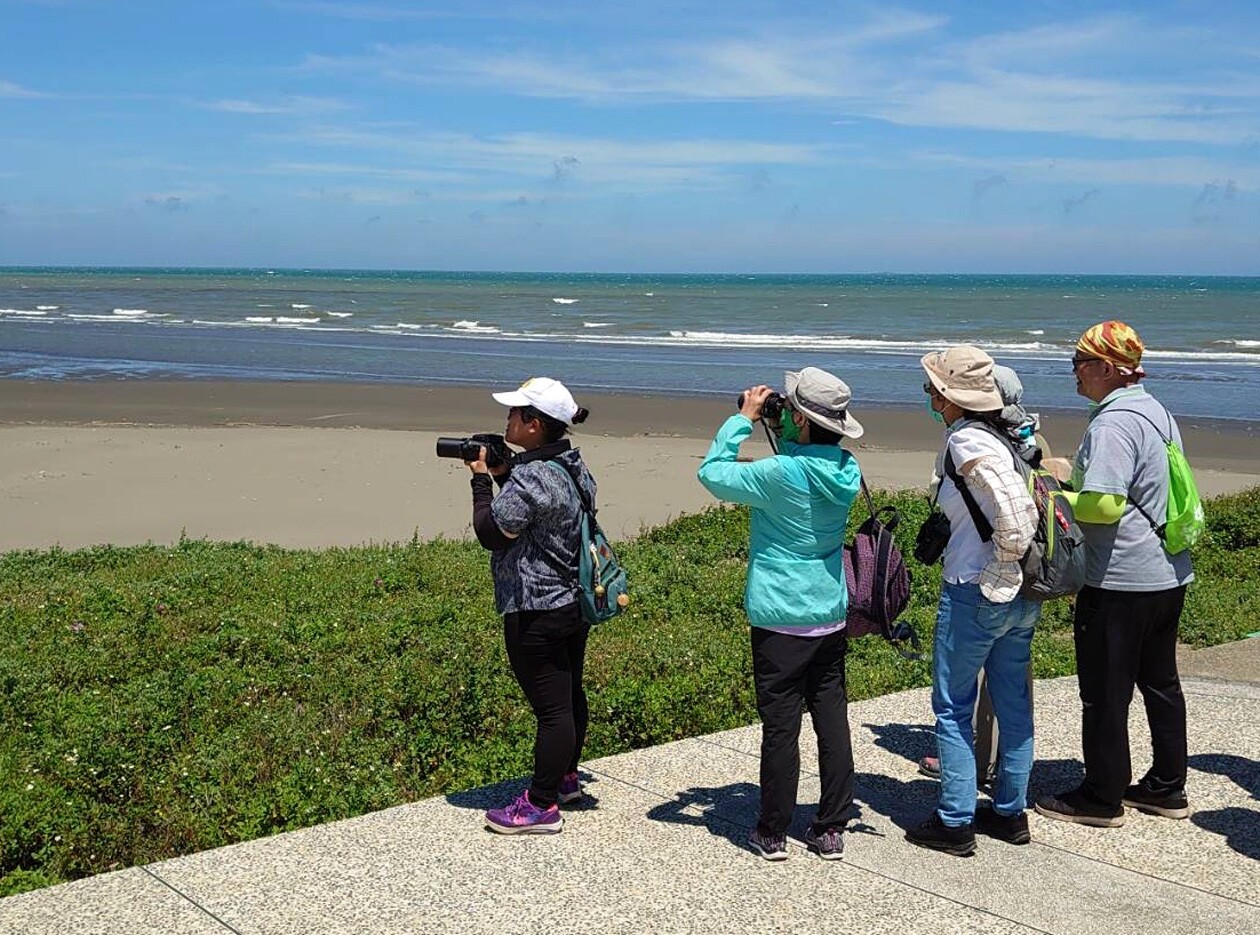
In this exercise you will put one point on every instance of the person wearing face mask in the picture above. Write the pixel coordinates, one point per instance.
(532, 530)
(1127, 614)
(981, 622)
(796, 598)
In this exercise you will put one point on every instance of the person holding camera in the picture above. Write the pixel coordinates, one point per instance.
(532, 530)
(981, 622)
(795, 597)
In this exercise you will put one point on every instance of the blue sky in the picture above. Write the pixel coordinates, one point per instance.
(645, 136)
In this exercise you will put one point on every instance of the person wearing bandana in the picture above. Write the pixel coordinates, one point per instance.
(1125, 627)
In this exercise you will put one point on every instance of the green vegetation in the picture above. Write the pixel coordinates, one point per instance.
(159, 701)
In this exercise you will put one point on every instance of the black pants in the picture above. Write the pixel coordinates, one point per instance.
(790, 671)
(546, 649)
(1127, 638)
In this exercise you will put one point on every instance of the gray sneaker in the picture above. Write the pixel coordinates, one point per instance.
(829, 845)
(769, 846)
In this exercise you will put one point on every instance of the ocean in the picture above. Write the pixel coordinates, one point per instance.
(659, 334)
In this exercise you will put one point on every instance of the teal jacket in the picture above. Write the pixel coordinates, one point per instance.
(800, 503)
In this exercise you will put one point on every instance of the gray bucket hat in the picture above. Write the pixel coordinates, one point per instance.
(823, 399)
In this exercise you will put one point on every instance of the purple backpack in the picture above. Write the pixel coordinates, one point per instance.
(878, 581)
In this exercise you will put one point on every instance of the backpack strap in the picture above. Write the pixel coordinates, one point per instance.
(585, 504)
(983, 526)
(1157, 528)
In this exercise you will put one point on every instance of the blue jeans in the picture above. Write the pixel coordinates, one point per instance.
(973, 633)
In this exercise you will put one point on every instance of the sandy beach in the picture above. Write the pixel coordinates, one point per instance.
(332, 464)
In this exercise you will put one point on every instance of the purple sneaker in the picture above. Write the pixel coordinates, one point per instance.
(570, 789)
(524, 817)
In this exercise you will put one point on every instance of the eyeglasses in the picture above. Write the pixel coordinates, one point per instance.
(1078, 362)
(929, 388)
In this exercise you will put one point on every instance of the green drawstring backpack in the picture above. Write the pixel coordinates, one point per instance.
(1183, 520)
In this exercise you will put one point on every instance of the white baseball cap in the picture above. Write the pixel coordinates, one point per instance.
(544, 394)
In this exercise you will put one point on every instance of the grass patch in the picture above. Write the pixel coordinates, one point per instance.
(160, 701)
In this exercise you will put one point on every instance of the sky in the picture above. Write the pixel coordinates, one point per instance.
(651, 136)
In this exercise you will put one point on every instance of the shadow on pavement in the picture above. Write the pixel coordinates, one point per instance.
(912, 741)
(487, 797)
(1239, 826)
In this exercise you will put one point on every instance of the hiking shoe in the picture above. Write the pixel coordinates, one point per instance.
(1075, 807)
(1167, 804)
(1013, 829)
(769, 846)
(930, 766)
(829, 845)
(938, 836)
(524, 817)
(570, 789)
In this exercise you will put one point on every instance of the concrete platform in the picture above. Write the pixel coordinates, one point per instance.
(658, 847)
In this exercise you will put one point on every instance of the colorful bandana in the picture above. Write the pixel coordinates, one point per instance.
(1116, 342)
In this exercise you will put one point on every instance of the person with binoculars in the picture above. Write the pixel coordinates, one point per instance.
(981, 622)
(796, 598)
(532, 530)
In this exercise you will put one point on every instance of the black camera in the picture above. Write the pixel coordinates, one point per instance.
(932, 538)
(771, 409)
(469, 449)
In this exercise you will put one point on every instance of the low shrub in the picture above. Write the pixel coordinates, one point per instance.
(159, 701)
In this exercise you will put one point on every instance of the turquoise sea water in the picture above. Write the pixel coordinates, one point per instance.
(692, 334)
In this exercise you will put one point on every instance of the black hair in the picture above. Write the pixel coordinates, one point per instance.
(991, 417)
(553, 428)
(821, 436)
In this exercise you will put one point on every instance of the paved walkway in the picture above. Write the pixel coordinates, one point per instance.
(659, 848)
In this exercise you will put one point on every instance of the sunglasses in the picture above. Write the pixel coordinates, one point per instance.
(929, 388)
(1078, 362)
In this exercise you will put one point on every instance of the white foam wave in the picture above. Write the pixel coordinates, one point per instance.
(823, 304)
(259, 319)
(47, 308)
(1239, 342)
(649, 293)
(265, 305)
(597, 324)
(475, 327)
(564, 301)
(96, 317)
(130, 312)
(297, 305)
(1036, 331)
(22, 311)
(341, 314)
(282, 320)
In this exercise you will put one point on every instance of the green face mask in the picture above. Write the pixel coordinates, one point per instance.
(936, 416)
(791, 431)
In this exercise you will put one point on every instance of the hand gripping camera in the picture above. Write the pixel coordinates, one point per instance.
(469, 449)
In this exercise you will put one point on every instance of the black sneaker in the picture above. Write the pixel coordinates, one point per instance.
(938, 836)
(829, 845)
(1167, 804)
(769, 846)
(1075, 807)
(1013, 829)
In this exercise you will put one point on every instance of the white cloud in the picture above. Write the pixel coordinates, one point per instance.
(1116, 77)
(9, 89)
(1173, 171)
(293, 105)
(610, 164)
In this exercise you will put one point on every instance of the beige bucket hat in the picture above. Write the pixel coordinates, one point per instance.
(964, 375)
(824, 399)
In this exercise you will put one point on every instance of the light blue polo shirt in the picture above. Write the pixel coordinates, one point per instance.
(1123, 454)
